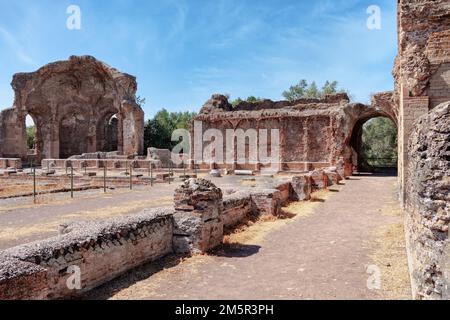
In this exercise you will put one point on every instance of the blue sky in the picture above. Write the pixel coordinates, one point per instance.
(183, 51)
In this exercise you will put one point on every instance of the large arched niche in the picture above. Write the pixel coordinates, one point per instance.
(108, 131)
(73, 134)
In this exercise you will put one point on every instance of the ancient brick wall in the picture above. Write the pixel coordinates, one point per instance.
(310, 134)
(102, 251)
(439, 90)
(428, 205)
(422, 80)
(421, 68)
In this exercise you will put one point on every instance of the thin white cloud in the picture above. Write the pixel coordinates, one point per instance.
(16, 47)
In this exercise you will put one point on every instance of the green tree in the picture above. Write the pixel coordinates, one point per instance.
(31, 135)
(379, 142)
(140, 101)
(158, 130)
(329, 87)
(303, 90)
(250, 99)
(312, 91)
(297, 91)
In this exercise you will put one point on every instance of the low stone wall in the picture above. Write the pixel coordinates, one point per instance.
(285, 188)
(6, 163)
(236, 208)
(427, 207)
(100, 251)
(97, 164)
(101, 155)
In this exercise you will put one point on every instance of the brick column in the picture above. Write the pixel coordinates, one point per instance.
(411, 108)
(198, 224)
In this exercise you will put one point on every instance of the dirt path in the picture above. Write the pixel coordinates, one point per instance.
(323, 255)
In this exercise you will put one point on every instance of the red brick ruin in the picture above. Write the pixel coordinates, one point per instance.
(319, 139)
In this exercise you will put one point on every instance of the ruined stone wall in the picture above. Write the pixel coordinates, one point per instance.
(72, 103)
(312, 133)
(422, 81)
(423, 28)
(6, 163)
(101, 251)
(421, 69)
(428, 205)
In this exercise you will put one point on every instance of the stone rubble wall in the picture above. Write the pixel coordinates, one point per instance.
(423, 27)
(236, 208)
(102, 251)
(428, 205)
(105, 249)
(97, 164)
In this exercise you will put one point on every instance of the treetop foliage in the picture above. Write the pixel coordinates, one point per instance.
(379, 142)
(311, 91)
(158, 130)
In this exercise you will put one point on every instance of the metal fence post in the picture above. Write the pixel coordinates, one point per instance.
(33, 169)
(131, 176)
(170, 171)
(151, 174)
(104, 177)
(71, 181)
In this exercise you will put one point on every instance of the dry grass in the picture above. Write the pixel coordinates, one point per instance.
(13, 188)
(144, 282)
(14, 233)
(254, 231)
(248, 183)
(390, 257)
(112, 211)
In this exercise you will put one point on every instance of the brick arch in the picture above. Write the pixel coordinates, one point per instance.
(355, 138)
(107, 131)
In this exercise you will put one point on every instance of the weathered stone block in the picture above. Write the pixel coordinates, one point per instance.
(198, 224)
(301, 188)
(319, 180)
(266, 202)
(333, 176)
(215, 173)
(236, 207)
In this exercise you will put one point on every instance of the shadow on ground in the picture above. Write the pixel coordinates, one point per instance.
(235, 250)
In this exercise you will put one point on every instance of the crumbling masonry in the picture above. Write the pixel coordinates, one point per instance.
(78, 106)
(321, 133)
(319, 137)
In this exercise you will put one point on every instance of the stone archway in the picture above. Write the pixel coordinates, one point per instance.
(108, 132)
(34, 150)
(359, 160)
